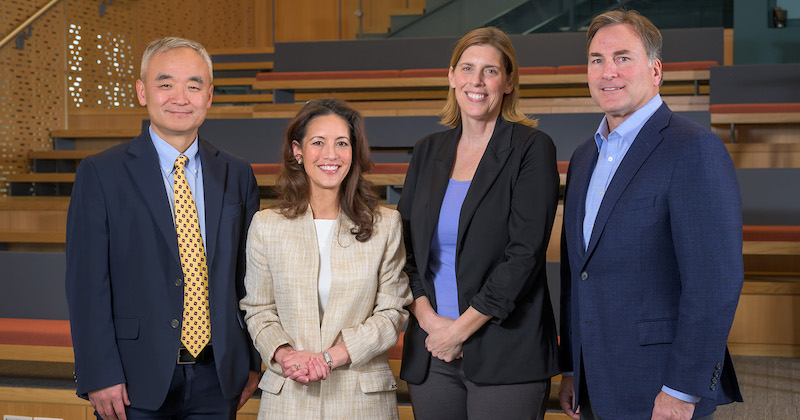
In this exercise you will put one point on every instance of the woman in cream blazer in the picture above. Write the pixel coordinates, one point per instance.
(331, 364)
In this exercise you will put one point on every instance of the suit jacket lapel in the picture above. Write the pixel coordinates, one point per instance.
(143, 168)
(214, 173)
(440, 177)
(644, 144)
(494, 158)
(579, 185)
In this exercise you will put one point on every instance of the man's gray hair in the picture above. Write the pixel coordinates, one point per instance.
(170, 43)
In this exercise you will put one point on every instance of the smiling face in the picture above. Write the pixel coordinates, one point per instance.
(479, 81)
(327, 153)
(621, 77)
(177, 92)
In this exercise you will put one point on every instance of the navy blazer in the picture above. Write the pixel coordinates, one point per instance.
(651, 300)
(503, 231)
(124, 281)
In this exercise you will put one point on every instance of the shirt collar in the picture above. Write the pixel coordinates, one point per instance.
(632, 125)
(168, 154)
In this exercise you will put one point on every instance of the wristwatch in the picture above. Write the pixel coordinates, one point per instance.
(328, 359)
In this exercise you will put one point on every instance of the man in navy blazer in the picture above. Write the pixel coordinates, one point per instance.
(651, 247)
(124, 281)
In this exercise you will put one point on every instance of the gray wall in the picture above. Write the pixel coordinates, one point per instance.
(259, 140)
(755, 41)
(553, 49)
(33, 285)
(755, 83)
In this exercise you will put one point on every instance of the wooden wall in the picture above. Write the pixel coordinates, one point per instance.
(326, 20)
(76, 60)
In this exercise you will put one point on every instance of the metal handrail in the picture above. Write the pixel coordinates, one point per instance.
(25, 24)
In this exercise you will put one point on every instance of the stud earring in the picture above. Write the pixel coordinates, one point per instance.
(299, 159)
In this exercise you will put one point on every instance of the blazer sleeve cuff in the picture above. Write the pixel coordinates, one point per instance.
(486, 307)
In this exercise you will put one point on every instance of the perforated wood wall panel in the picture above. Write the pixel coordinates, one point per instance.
(101, 56)
(77, 59)
(31, 85)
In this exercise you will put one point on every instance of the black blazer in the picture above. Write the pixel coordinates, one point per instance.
(503, 231)
(124, 281)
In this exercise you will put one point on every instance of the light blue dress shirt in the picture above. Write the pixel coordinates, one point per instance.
(612, 148)
(194, 176)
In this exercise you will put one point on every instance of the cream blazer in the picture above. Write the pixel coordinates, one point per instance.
(365, 308)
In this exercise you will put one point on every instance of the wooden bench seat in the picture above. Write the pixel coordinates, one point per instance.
(33, 236)
(89, 133)
(764, 155)
(61, 154)
(43, 340)
(244, 98)
(245, 65)
(766, 233)
(772, 251)
(570, 79)
(763, 113)
(31, 203)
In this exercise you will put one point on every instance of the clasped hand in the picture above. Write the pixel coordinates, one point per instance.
(304, 367)
(442, 342)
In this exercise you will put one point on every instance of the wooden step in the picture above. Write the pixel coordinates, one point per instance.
(765, 155)
(242, 50)
(245, 65)
(42, 177)
(27, 203)
(34, 236)
(243, 98)
(62, 154)
(234, 81)
(95, 133)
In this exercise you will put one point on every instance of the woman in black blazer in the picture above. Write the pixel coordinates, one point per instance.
(478, 206)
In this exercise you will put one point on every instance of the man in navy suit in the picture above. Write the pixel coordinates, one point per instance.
(125, 283)
(651, 247)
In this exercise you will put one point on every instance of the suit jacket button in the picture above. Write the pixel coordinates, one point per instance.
(718, 366)
(178, 282)
(584, 276)
(713, 387)
(716, 374)
(713, 380)
(175, 323)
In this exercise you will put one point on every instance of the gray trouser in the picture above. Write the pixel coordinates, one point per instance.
(448, 394)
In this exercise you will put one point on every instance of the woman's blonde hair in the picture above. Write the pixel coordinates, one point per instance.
(510, 110)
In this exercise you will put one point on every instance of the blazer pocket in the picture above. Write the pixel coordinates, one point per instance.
(377, 381)
(656, 331)
(637, 202)
(271, 382)
(126, 328)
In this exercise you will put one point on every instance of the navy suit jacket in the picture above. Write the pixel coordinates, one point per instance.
(124, 279)
(503, 231)
(651, 301)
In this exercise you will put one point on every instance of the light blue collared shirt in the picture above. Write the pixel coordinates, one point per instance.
(612, 148)
(194, 176)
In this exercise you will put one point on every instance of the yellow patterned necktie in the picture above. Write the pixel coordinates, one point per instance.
(196, 326)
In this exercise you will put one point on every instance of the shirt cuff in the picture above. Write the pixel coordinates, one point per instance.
(680, 395)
